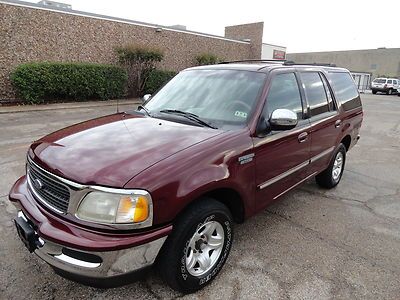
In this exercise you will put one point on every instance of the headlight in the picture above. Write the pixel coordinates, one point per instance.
(116, 208)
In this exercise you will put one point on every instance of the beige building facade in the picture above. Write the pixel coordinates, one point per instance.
(376, 62)
(31, 32)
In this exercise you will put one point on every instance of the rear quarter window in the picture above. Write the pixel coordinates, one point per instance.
(345, 90)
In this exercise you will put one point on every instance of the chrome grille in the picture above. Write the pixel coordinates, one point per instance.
(48, 189)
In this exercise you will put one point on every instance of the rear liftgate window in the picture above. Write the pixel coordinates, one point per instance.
(345, 90)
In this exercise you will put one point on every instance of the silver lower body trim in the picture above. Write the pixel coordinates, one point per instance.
(321, 155)
(283, 175)
(295, 169)
(293, 186)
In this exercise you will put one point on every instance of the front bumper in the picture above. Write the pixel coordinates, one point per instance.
(73, 250)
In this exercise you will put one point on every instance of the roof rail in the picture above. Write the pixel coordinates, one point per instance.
(253, 60)
(292, 63)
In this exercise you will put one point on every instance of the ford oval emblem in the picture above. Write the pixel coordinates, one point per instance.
(38, 184)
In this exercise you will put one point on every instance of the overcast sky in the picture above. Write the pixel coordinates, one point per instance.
(300, 25)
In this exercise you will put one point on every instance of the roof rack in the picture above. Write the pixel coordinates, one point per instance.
(282, 61)
(253, 61)
(292, 63)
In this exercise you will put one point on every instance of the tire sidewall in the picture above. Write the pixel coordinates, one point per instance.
(190, 282)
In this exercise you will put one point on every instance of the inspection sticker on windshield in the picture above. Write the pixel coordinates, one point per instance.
(240, 114)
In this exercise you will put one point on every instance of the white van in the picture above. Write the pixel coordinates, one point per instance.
(386, 85)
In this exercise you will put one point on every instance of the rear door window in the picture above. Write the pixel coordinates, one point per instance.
(345, 90)
(332, 105)
(315, 93)
(389, 81)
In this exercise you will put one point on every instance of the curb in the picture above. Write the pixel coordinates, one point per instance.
(58, 106)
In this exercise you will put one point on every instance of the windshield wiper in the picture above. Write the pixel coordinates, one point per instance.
(145, 109)
(188, 115)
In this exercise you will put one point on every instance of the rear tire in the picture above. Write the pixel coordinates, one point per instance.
(389, 92)
(198, 247)
(373, 92)
(330, 177)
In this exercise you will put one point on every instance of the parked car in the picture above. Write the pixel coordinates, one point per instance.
(386, 85)
(165, 183)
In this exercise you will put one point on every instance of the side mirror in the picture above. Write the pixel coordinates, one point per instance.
(146, 97)
(283, 119)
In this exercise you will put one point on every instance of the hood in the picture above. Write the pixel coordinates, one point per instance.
(109, 151)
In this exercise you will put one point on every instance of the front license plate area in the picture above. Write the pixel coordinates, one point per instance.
(27, 234)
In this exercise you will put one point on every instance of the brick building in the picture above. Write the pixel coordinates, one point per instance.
(35, 32)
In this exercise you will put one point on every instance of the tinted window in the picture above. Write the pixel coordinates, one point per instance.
(380, 81)
(332, 105)
(315, 93)
(389, 81)
(284, 93)
(345, 90)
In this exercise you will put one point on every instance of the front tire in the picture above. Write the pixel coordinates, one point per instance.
(374, 92)
(330, 177)
(390, 92)
(198, 247)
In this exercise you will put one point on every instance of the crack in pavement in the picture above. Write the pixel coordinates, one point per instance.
(364, 204)
(10, 161)
(371, 177)
(343, 246)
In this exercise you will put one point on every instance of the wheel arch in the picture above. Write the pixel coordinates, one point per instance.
(227, 196)
(346, 141)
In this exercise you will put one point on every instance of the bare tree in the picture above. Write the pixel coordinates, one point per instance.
(139, 62)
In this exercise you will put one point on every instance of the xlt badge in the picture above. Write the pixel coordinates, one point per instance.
(246, 158)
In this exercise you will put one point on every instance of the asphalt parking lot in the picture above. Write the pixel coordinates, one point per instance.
(311, 244)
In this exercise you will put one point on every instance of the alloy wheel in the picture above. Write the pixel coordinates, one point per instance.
(205, 248)
(337, 166)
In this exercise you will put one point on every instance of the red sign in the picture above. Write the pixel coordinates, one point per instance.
(278, 54)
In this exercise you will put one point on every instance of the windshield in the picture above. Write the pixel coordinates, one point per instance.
(380, 81)
(219, 97)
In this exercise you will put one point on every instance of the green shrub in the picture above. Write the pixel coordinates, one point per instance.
(133, 53)
(42, 81)
(139, 61)
(156, 79)
(207, 59)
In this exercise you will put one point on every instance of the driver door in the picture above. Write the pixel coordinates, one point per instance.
(282, 157)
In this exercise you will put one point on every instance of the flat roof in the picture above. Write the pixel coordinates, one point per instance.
(274, 45)
(114, 19)
(337, 51)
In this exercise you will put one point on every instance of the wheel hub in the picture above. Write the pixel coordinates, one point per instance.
(205, 248)
(200, 244)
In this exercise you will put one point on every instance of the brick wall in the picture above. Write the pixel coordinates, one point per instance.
(30, 34)
(252, 31)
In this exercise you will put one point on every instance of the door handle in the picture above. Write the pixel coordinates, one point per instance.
(302, 137)
(338, 123)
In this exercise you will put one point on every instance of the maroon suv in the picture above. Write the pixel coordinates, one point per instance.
(164, 183)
